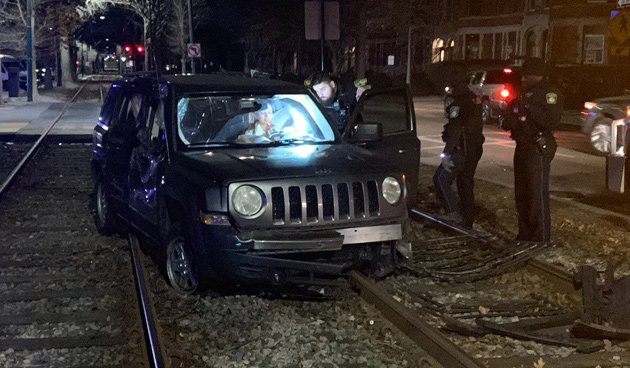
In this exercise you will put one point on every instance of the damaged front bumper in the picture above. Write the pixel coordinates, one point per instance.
(316, 257)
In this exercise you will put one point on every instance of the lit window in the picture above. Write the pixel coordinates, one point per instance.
(593, 49)
(438, 50)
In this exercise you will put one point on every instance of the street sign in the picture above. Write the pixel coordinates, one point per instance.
(313, 20)
(619, 27)
(623, 3)
(194, 50)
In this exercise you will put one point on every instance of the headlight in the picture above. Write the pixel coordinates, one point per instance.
(247, 200)
(392, 191)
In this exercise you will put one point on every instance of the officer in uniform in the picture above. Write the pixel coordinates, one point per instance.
(337, 97)
(532, 119)
(463, 135)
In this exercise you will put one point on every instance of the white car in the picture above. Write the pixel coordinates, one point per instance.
(598, 116)
(495, 87)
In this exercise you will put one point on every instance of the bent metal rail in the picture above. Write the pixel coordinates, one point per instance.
(62, 291)
(430, 338)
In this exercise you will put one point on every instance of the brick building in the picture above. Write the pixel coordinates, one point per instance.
(587, 41)
(563, 32)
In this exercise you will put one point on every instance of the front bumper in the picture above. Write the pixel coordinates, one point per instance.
(324, 240)
(311, 257)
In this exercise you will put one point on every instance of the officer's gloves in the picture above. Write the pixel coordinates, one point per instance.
(447, 162)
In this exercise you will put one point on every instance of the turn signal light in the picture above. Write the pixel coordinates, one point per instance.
(628, 111)
(505, 93)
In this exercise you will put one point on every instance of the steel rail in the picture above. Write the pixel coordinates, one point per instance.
(152, 340)
(460, 229)
(427, 337)
(561, 279)
(30, 153)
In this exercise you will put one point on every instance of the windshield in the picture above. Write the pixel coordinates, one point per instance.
(246, 120)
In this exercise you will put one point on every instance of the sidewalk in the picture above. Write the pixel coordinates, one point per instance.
(19, 117)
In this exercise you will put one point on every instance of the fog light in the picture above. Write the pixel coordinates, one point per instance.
(213, 219)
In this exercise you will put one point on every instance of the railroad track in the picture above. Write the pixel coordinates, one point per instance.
(68, 295)
(457, 301)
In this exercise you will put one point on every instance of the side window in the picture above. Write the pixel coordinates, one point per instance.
(477, 79)
(155, 124)
(469, 77)
(131, 116)
(390, 109)
(111, 104)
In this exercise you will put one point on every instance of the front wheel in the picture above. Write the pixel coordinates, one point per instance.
(180, 266)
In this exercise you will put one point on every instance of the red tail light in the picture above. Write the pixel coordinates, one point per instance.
(505, 93)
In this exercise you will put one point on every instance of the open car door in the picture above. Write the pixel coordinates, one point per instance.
(393, 109)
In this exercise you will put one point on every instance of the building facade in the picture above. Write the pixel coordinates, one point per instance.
(563, 32)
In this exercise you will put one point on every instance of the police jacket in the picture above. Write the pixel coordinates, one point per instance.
(536, 112)
(340, 108)
(464, 130)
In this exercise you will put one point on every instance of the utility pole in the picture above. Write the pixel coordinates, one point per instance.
(29, 50)
(323, 31)
(190, 35)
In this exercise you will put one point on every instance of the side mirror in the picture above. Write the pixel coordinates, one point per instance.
(366, 133)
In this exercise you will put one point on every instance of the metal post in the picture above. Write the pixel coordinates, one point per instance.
(190, 36)
(29, 50)
(409, 58)
(323, 31)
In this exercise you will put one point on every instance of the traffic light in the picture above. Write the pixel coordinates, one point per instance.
(140, 49)
(127, 48)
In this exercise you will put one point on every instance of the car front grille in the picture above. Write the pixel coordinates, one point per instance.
(323, 203)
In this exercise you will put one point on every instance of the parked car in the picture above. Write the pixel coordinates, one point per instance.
(8, 61)
(495, 88)
(597, 117)
(245, 179)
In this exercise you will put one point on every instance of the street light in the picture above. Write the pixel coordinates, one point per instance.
(102, 17)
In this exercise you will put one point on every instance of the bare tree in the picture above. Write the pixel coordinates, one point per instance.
(154, 15)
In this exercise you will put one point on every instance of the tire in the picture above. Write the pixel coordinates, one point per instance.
(486, 113)
(104, 218)
(182, 270)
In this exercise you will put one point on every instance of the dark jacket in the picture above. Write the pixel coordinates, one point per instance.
(464, 130)
(340, 108)
(536, 112)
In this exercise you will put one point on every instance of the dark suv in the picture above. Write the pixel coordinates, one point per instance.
(245, 179)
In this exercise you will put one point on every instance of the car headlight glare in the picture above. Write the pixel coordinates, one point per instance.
(392, 190)
(247, 200)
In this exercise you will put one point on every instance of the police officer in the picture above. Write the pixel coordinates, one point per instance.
(532, 119)
(463, 135)
(337, 97)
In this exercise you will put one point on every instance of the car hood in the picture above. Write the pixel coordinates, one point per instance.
(283, 162)
(617, 100)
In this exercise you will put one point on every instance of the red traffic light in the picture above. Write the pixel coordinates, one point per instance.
(127, 48)
(140, 48)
